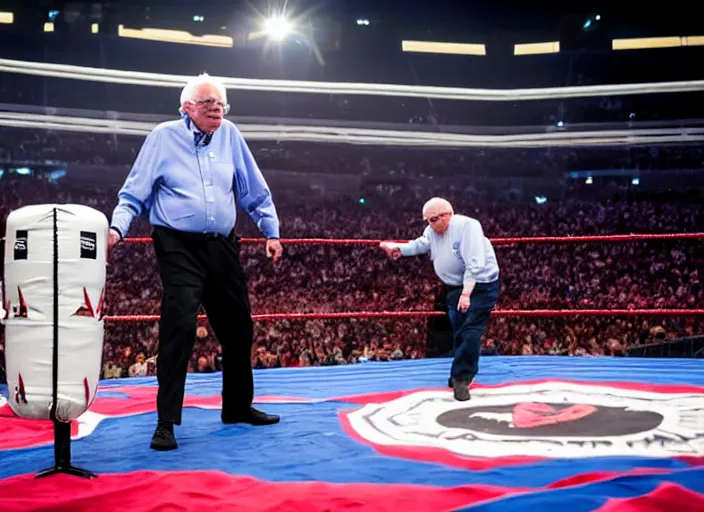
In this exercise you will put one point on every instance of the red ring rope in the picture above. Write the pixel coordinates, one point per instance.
(500, 240)
(426, 314)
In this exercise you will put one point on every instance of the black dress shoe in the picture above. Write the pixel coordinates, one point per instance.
(251, 416)
(449, 383)
(163, 438)
(461, 389)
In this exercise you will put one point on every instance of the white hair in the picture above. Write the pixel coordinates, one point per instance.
(189, 91)
(439, 203)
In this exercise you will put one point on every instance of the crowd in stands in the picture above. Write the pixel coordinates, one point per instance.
(325, 278)
(320, 278)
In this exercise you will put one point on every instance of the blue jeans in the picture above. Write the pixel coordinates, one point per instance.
(468, 327)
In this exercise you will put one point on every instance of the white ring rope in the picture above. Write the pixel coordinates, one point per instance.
(261, 132)
(454, 93)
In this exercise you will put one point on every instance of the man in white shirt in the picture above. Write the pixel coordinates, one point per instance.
(139, 368)
(465, 262)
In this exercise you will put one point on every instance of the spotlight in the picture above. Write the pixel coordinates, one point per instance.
(277, 28)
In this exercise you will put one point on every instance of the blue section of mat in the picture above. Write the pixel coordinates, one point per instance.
(589, 497)
(327, 381)
(311, 443)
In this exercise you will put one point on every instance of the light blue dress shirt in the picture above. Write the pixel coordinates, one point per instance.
(460, 255)
(187, 185)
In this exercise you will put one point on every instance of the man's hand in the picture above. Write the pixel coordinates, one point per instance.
(463, 303)
(274, 250)
(467, 289)
(113, 239)
(392, 252)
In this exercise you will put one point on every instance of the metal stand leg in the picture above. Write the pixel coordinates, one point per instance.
(62, 454)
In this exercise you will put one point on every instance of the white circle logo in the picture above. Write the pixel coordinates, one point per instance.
(548, 419)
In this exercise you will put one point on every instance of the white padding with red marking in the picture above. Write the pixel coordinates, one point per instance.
(29, 303)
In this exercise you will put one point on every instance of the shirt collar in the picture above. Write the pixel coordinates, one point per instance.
(198, 135)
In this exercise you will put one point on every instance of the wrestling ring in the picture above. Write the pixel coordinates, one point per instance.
(602, 434)
(606, 433)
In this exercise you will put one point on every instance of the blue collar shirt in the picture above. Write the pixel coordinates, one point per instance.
(188, 181)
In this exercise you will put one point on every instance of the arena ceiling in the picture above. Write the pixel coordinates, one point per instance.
(441, 18)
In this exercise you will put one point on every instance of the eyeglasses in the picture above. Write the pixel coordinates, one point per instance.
(210, 103)
(435, 218)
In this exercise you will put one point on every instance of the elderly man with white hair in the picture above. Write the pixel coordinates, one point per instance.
(465, 262)
(185, 179)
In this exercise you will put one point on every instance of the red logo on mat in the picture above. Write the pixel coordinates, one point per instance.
(538, 414)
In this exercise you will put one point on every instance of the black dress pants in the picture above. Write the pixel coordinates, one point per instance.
(196, 269)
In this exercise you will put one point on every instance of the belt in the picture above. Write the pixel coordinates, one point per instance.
(194, 236)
